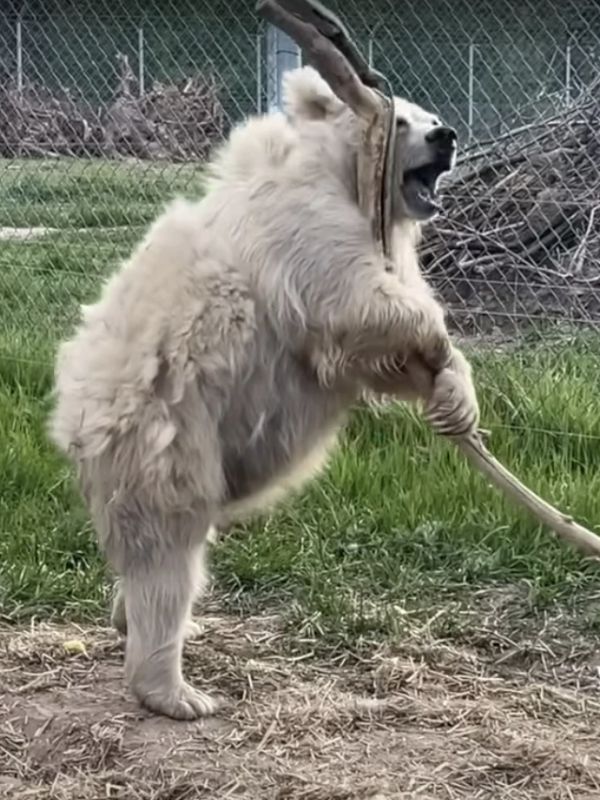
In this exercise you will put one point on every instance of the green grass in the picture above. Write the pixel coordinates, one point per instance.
(84, 194)
(398, 526)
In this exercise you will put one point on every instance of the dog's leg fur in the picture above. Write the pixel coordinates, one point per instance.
(118, 615)
(159, 583)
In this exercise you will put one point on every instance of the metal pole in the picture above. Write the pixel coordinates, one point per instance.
(568, 74)
(19, 56)
(471, 90)
(141, 70)
(283, 54)
(259, 72)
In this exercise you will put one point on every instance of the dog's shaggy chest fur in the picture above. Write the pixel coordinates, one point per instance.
(208, 327)
(214, 371)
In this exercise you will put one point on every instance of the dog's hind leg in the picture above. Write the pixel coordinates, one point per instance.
(161, 562)
(118, 614)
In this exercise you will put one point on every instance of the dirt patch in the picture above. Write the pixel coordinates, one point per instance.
(24, 234)
(428, 720)
(32, 234)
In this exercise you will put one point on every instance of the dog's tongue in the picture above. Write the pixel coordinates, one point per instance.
(419, 196)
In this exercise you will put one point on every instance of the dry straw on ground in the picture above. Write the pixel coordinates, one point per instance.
(497, 717)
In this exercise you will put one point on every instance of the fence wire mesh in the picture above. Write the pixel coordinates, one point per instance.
(108, 109)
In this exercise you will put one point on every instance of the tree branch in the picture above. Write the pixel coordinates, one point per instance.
(327, 45)
(564, 526)
(327, 58)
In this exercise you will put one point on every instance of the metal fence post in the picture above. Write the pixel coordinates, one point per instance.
(568, 74)
(283, 54)
(259, 87)
(19, 55)
(141, 66)
(471, 91)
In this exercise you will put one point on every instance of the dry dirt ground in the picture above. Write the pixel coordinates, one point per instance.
(493, 718)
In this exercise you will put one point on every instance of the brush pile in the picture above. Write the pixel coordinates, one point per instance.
(519, 241)
(178, 122)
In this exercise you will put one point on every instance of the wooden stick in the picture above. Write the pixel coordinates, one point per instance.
(565, 527)
(326, 44)
(473, 447)
(332, 28)
(326, 58)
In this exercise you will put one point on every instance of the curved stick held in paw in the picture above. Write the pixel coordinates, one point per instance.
(564, 526)
(472, 445)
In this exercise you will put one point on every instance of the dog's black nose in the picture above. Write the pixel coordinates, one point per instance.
(442, 136)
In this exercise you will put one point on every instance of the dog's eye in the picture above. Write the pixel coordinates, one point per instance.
(401, 123)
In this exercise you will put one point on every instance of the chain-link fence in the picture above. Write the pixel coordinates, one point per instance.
(109, 108)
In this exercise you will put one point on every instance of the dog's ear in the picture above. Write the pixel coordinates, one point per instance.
(307, 96)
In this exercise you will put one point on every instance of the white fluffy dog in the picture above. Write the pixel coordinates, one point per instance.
(221, 359)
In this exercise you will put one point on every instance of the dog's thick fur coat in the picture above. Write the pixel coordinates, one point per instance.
(216, 368)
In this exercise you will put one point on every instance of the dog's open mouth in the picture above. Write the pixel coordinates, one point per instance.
(419, 190)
